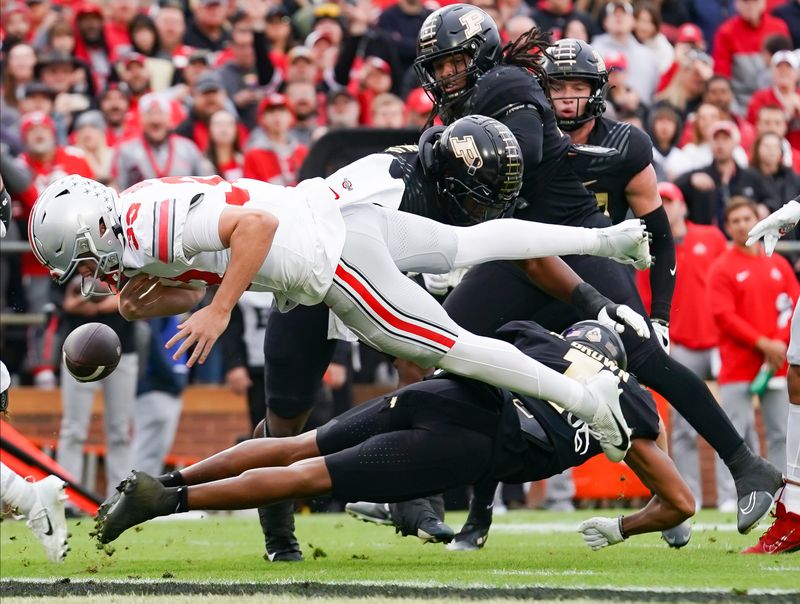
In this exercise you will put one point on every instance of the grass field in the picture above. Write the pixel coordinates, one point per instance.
(345, 558)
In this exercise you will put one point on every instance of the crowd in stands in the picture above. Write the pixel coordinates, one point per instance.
(124, 90)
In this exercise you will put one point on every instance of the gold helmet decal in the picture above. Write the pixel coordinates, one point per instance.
(466, 149)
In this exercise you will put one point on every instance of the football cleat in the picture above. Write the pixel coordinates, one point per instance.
(142, 497)
(782, 537)
(678, 536)
(756, 492)
(608, 422)
(46, 518)
(433, 530)
(475, 532)
(283, 549)
(377, 513)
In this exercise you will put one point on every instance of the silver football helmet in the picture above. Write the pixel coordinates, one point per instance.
(65, 228)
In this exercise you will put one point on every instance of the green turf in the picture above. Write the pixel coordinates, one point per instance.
(340, 549)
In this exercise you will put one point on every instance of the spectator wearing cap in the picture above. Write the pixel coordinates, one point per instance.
(89, 133)
(688, 38)
(685, 89)
(418, 108)
(647, 30)
(47, 162)
(224, 147)
(171, 27)
(621, 95)
(208, 97)
(618, 21)
(790, 13)
(303, 99)
(692, 331)
(708, 190)
(207, 27)
(720, 94)
(146, 42)
(401, 24)
(554, 15)
(16, 22)
(273, 154)
(342, 111)
(301, 66)
(772, 118)
(278, 30)
(388, 111)
(156, 153)
(132, 70)
(69, 78)
(115, 105)
(767, 159)
(91, 45)
(375, 79)
(328, 22)
(18, 73)
(784, 93)
(37, 96)
(120, 13)
(737, 47)
(238, 74)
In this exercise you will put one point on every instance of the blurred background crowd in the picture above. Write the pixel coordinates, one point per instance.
(123, 90)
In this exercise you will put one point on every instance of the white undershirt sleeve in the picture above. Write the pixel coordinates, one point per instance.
(201, 229)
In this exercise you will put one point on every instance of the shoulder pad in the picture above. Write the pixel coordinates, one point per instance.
(502, 88)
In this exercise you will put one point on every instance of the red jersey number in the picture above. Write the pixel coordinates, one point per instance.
(130, 218)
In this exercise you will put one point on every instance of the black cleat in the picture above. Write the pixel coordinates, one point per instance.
(141, 498)
(678, 536)
(475, 532)
(377, 513)
(283, 549)
(433, 530)
(756, 487)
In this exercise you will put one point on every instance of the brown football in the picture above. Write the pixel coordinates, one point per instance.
(92, 352)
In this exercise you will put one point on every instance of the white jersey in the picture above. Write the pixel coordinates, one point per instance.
(171, 227)
(368, 180)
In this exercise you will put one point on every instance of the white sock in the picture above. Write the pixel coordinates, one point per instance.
(791, 493)
(500, 364)
(16, 491)
(512, 239)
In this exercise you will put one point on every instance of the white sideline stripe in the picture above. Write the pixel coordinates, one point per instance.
(98, 583)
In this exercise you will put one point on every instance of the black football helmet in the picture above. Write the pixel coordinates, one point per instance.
(454, 29)
(600, 338)
(476, 163)
(571, 59)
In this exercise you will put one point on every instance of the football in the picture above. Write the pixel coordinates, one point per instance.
(92, 352)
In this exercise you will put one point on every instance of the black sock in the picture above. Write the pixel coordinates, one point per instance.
(690, 397)
(172, 479)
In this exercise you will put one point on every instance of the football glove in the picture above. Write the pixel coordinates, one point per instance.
(599, 532)
(777, 224)
(661, 328)
(618, 316)
(440, 285)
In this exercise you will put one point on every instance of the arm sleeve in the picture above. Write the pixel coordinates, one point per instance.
(723, 307)
(662, 273)
(201, 229)
(347, 56)
(264, 67)
(233, 348)
(526, 125)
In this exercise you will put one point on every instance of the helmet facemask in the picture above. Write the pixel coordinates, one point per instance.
(105, 278)
(468, 205)
(593, 104)
(436, 89)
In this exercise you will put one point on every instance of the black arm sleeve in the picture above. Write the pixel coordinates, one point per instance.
(16, 177)
(526, 125)
(347, 56)
(233, 348)
(264, 67)
(662, 273)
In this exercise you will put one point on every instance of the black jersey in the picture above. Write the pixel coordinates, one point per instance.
(551, 190)
(522, 453)
(607, 177)
(420, 196)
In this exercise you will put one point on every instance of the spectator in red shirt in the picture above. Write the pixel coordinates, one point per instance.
(16, 24)
(91, 45)
(376, 78)
(133, 72)
(115, 106)
(772, 118)
(752, 298)
(224, 146)
(784, 93)
(120, 15)
(720, 94)
(171, 27)
(47, 163)
(692, 331)
(274, 156)
(418, 108)
(738, 43)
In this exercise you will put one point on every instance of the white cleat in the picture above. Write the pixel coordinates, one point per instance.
(608, 422)
(627, 243)
(46, 519)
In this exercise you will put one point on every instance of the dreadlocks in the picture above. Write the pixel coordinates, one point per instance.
(527, 51)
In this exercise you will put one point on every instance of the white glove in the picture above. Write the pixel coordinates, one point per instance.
(438, 285)
(774, 226)
(661, 329)
(627, 243)
(599, 532)
(617, 316)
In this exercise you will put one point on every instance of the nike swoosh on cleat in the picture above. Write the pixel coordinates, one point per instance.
(626, 442)
(771, 549)
(673, 270)
(751, 504)
(49, 530)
